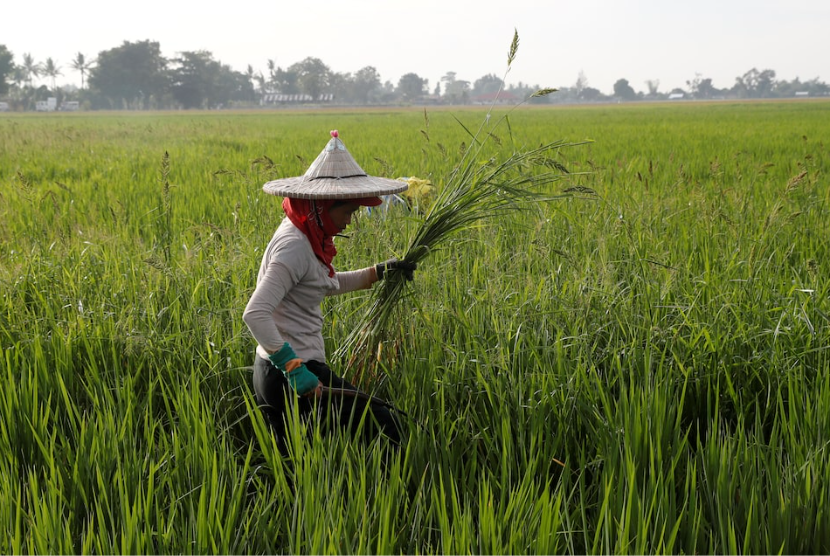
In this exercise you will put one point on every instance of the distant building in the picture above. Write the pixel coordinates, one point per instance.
(676, 96)
(48, 105)
(4, 106)
(501, 97)
(802, 93)
(281, 98)
(70, 106)
(431, 99)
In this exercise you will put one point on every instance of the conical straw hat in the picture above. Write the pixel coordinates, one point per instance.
(334, 175)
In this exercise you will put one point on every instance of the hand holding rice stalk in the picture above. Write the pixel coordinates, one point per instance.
(474, 192)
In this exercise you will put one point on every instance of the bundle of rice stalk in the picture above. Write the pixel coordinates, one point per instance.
(475, 191)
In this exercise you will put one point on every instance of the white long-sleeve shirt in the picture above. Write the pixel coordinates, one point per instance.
(291, 285)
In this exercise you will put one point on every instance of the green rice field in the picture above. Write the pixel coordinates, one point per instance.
(640, 364)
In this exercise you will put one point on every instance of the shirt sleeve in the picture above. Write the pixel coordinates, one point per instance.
(277, 280)
(353, 280)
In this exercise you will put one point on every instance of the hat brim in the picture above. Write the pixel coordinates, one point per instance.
(356, 187)
(367, 201)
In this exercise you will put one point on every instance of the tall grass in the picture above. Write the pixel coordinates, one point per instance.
(475, 193)
(639, 367)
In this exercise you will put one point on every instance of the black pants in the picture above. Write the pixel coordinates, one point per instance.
(272, 392)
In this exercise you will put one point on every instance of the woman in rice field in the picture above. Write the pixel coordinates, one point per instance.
(296, 273)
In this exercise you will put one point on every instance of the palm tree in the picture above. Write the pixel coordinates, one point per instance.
(19, 77)
(252, 79)
(31, 68)
(79, 63)
(51, 70)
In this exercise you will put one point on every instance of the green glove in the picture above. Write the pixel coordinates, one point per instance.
(301, 380)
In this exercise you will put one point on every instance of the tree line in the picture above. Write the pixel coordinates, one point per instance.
(136, 76)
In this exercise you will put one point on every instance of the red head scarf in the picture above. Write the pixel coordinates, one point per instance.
(312, 218)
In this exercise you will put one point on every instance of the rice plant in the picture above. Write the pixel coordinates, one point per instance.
(481, 186)
(636, 366)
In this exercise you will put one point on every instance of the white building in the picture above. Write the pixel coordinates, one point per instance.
(48, 105)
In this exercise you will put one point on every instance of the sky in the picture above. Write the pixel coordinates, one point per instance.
(670, 41)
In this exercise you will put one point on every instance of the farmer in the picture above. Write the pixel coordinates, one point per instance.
(296, 273)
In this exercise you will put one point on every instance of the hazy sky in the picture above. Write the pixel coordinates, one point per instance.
(666, 40)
